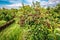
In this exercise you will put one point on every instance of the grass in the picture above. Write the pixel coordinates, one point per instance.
(13, 32)
(2, 22)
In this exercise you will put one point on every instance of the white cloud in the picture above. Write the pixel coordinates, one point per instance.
(54, 1)
(17, 5)
(44, 3)
(36, 0)
(49, 3)
(30, 1)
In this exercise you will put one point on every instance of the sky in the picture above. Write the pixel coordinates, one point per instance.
(18, 3)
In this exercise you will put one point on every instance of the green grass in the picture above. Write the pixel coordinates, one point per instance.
(2, 22)
(13, 32)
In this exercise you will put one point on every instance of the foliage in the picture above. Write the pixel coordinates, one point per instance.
(32, 23)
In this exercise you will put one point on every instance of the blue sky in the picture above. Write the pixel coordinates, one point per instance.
(17, 3)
